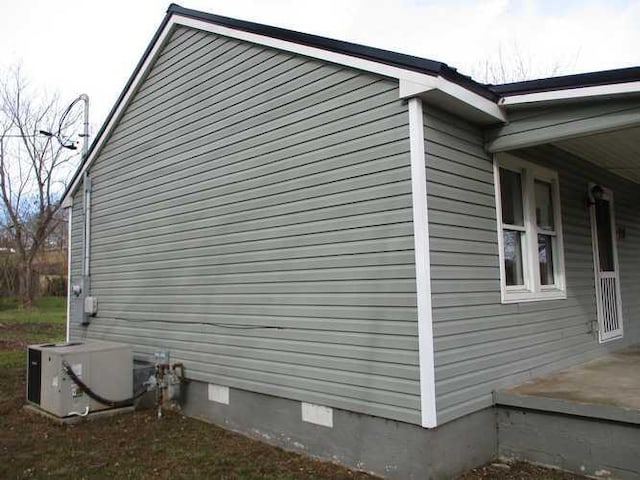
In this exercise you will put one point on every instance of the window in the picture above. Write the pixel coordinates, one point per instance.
(529, 231)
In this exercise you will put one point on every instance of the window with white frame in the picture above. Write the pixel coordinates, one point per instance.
(529, 231)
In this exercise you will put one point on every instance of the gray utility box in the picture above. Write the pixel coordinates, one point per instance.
(105, 367)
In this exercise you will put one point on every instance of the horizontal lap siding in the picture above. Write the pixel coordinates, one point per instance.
(481, 344)
(252, 214)
(626, 200)
(628, 216)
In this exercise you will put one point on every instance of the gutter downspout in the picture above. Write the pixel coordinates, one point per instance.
(86, 211)
(69, 288)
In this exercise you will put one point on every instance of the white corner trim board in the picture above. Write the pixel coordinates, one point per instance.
(218, 394)
(423, 265)
(317, 414)
(571, 94)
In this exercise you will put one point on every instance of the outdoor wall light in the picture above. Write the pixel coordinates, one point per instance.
(595, 193)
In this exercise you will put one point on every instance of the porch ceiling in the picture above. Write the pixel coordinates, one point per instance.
(617, 151)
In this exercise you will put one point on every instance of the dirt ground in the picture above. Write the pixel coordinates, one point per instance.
(139, 446)
(517, 471)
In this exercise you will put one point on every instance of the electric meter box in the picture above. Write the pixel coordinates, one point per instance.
(105, 367)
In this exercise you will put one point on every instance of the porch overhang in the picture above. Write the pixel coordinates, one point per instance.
(605, 132)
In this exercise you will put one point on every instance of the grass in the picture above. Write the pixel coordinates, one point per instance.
(137, 445)
(49, 310)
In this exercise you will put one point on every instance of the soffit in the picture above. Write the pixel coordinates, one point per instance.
(617, 151)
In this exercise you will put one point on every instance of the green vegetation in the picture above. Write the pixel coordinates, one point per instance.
(11, 359)
(45, 322)
(134, 445)
(51, 310)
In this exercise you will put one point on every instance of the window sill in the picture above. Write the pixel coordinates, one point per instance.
(525, 297)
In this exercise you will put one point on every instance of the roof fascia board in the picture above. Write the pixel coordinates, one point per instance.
(582, 93)
(484, 105)
(448, 98)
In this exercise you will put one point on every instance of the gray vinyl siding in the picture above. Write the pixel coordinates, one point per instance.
(75, 302)
(481, 344)
(252, 213)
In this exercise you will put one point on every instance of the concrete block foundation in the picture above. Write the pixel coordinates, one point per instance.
(384, 447)
(595, 447)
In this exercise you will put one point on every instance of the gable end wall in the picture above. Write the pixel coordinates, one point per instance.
(252, 214)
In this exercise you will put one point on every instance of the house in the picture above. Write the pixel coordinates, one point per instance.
(354, 251)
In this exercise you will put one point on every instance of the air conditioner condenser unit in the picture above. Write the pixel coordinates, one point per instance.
(105, 367)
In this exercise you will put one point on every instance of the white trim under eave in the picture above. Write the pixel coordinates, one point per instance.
(423, 264)
(489, 107)
(571, 94)
(467, 103)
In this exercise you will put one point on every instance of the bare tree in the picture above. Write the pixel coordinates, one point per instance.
(33, 169)
(513, 64)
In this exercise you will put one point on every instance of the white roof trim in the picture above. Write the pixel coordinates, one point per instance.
(571, 94)
(405, 76)
(473, 99)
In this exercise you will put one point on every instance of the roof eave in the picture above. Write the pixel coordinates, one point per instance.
(435, 81)
(580, 93)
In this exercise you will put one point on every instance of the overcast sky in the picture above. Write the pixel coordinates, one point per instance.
(76, 46)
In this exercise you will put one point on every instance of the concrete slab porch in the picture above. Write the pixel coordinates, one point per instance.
(605, 388)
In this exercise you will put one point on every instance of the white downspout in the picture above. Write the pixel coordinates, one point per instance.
(69, 292)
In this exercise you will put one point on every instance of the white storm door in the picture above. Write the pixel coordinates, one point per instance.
(605, 260)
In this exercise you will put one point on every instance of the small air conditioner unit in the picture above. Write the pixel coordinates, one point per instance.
(105, 367)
